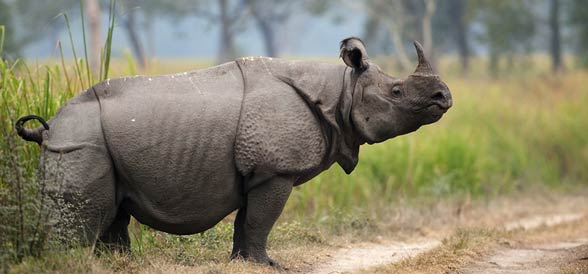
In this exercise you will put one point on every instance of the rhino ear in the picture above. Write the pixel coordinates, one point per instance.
(353, 52)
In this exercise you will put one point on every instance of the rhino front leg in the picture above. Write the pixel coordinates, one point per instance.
(255, 221)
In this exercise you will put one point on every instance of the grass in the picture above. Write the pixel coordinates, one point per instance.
(502, 136)
(24, 231)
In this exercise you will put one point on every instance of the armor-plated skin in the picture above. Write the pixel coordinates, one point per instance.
(180, 152)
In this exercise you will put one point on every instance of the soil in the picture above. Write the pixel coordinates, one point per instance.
(532, 259)
(536, 243)
(368, 255)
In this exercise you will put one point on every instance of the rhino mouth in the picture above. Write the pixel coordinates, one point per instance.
(431, 113)
(433, 107)
(435, 112)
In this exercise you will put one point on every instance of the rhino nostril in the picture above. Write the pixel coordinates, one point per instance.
(438, 96)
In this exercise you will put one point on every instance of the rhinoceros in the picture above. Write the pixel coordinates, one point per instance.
(180, 152)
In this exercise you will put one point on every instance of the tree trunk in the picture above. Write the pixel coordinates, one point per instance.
(430, 6)
(149, 35)
(494, 63)
(269, 37)
(266, 27)
(136, 44)
(226, 47)
(395, 26)
(554, 25)
(457, 18)
(93, 14)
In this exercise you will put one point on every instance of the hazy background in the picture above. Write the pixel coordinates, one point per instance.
(221, 30)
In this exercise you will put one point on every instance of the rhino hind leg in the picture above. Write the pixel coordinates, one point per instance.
(239, 245)
(80, 186)
(116, 236)
(253, 223)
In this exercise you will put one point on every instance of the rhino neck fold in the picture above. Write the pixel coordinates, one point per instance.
(328, 90)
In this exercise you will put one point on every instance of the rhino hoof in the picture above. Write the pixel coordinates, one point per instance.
(276, 265)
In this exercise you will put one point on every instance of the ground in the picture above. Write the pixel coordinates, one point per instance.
(545, 232)
(533, 235)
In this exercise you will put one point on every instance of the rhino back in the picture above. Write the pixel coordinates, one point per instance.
(171, 138)
(75, 125)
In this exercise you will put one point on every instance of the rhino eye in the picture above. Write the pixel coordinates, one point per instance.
(396, 91)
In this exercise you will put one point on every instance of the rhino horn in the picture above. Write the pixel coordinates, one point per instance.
(424, 67)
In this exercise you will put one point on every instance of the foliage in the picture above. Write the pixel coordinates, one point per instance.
(8, 44)
(32, 21)
(578, 15)
(509, 28)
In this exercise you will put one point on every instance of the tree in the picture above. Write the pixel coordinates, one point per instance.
(227, 44)
(555, 45)
(130, 26)
(578, 18)
(458, 23)
(390, 16)
(9, 47)
(151, 10)
(430, 7)
(228, 14)
(270, 16)
(509, 28)
(403, 21)
(394, 24)
(93, 13)
(34, 21)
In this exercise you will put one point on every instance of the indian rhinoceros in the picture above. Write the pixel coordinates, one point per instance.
(180, 152)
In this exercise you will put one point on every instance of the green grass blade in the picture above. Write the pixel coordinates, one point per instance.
(2, 30)
(90, 80)
(101, 67)
(64, 68)
(73, 48)
(47, 92)
(108, 46)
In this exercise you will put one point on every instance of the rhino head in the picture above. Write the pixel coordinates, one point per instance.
(384, 106)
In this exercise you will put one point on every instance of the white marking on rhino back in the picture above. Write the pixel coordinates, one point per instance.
(194, 84)
(266, 67)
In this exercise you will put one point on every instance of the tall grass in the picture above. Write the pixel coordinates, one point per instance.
(502, 135)
(24, 213)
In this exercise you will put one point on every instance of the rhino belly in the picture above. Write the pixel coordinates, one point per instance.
(172, 145)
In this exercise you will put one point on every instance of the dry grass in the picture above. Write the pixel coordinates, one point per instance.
(578, 266)
(468, 227)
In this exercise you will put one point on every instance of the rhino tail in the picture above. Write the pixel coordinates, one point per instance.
(32, 135)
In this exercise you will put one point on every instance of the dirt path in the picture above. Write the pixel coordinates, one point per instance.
(560, 245)
(533, 259)
(542, 220)
(542, 258)
(368, 255)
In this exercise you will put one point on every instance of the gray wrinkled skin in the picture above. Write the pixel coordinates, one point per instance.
(180, 152)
